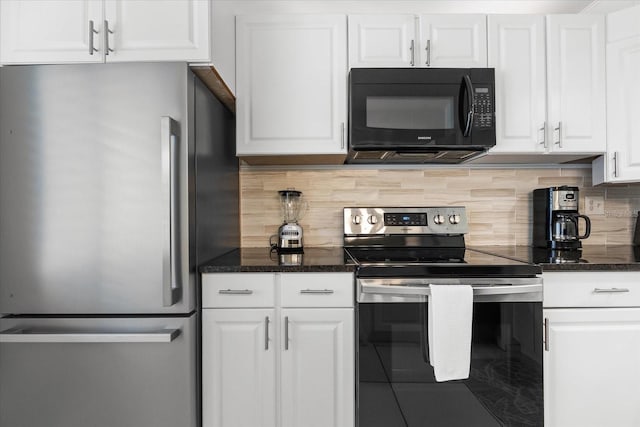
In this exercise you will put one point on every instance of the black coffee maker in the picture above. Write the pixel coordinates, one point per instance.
(555, 219)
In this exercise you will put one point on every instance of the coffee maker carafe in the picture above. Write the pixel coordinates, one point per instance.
(555, 218)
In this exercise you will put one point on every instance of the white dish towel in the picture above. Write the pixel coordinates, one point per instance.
(450, 316)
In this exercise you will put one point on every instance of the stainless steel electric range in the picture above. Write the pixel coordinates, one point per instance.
(400, 252)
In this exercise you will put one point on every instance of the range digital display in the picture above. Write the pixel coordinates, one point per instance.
(419, 219)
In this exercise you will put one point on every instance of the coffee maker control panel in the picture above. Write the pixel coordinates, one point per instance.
(565, 200)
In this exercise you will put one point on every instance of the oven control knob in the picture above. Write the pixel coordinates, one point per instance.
(454, 219)
(438, 219)
(373, 219)
(357, 219)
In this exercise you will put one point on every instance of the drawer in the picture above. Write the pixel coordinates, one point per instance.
(317, 289)
(235, 290)
(591, 289)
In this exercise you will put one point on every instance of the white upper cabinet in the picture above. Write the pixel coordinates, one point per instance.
(621, 163)
(418, 41)
(456, 41)
(576, 83)
(382, 41)
(50, 31)
(76, 31)
(291, 84)
(517, 52)
(152, 30)
(550, 96)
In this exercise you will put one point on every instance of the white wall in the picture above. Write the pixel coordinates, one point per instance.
(224, 12)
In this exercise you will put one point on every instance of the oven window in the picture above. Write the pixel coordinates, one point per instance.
(396, 385)
(410, 112)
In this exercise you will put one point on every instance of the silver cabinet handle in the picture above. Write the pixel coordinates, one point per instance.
(107, 31)
(610, 290)
(26, 336)
(546, 334)
(286, 332)
(92, 31)
(171, 259)
(615, 164)
(428, 49)
(544, 135)
(317, 291)
(559, 129)
(412, 48)
(342, 135)
(235, 291)
(266, 333)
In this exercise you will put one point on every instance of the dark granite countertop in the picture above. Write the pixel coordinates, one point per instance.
(325, 259)
(590, 258)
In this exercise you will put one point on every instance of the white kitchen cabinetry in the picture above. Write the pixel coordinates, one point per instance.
(288, 364)
(592, 348)
(554, 106)
(457, 41)
(291, 85)
(75, 31)
(621, 163)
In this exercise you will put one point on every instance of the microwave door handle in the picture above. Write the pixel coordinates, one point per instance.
(470, 101)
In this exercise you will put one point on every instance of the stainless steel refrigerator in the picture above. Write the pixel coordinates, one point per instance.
(116, 180)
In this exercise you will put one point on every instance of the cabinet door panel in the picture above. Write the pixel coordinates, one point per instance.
(238, 368)
(592, 376)
(317, 368)
(55, 31)
(382, 40)
(454, 40)
(151, 30)
(576, 83)
(623, 110)
(291, 87)
(517, 52)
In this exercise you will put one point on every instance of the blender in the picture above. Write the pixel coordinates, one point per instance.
(290, 232)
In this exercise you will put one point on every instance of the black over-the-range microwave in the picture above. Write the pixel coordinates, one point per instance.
(420, 115)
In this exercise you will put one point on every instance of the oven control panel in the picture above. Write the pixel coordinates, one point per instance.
(394, 220)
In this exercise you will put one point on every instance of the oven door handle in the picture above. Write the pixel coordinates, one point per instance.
(479, 290)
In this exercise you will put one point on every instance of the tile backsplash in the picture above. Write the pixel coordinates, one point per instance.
(498, 200)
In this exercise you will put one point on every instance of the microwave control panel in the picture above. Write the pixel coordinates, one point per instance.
(483, 108)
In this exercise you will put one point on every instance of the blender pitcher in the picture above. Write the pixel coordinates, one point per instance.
(289, 234)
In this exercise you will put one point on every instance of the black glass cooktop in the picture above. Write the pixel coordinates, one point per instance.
(436, 262)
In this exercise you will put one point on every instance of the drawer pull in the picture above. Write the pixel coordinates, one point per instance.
(317, 291)
(235, 291)
(610, 290)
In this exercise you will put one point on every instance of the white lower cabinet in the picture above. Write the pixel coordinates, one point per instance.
(592, 349)
(286, 358)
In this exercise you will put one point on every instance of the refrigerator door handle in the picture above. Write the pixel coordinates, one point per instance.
(25, 336)
(170, 174)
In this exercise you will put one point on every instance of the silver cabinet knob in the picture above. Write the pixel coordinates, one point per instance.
(454, 219)
(438, 219)
(373, 219)
(357, 219)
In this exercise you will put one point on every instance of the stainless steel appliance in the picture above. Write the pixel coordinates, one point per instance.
(420, 115)
(400, 252)
(289, 235)
(103, 220)
(555, 218)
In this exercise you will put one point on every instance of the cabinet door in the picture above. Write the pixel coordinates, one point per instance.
(576, 83)
(317, 368)
(291, 84)
(382, 41)
(591, 371)
(517, 52)
(623, 110)
(54, 31)
(238, 368)
(151, 30)
(453, 40)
